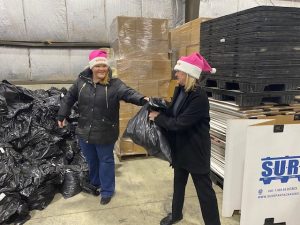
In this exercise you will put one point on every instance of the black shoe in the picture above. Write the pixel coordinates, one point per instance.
(169, 220)
(105, 200)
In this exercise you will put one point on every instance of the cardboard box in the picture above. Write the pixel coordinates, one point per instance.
(148, 88)
(174, 39)
(181, 52)
(125, 48)
(185, 34)
(134, 69)
(171, 88)
(152, 46)
(163, 87)
(192, 48)
(126, 110)
(195, 29)
(134, 84)
(122, 27)
(152, 28)
(161, 69)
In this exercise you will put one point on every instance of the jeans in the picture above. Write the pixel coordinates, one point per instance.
(101, 164)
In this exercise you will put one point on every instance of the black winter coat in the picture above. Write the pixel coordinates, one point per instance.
(98, 107)
(188, 131)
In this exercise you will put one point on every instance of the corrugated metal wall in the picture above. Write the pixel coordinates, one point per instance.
(64, 22)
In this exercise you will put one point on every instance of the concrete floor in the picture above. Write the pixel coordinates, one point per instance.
(143, 196)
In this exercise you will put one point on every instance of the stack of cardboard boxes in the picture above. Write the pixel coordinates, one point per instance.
(140, 48)
(185, 39)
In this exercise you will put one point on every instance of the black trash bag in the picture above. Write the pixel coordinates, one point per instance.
(42, 196)
(69, 148)
(71, 185)
(14, 94)
(21, 216)
(3, 106)
(42, 150)
(34, 174)
(55, 91)
(157, 104)
(79, 160)
(9, 168)
(45, 113)
(16, 125)
(87, 187)
(40, 93)
(12, 208)
(38, 144)
(147, 134)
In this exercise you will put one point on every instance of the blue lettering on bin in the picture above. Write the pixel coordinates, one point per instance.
(280, 168)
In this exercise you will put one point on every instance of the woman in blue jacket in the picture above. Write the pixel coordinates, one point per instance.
(187, 126)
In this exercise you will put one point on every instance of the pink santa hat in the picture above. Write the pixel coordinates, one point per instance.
(97, 57)
(193, 65)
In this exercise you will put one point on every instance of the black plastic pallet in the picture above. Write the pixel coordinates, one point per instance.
(250, 37)
(255, 73)
(281, 68)
(252, 99)
(289, 58)
(259, 13)
(264, 64)
(281, 46)
(240, 30)
(249, 85)
(250, 23)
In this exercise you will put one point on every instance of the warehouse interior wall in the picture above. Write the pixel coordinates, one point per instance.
(191, 10)
(51, 39)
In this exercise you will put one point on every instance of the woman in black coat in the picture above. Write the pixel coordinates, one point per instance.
(187, 126)
(98, 96)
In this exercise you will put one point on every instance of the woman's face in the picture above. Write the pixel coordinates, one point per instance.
(100, 71)
(181, 77)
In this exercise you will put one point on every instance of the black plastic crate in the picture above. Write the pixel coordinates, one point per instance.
(256, 73)
(249, 85)
(259, 13)
(254, 37)
(252, 99)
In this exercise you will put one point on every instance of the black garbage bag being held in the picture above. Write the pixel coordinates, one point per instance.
(146, 133)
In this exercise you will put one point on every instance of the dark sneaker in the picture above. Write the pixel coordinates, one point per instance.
(105, 200)
(169, 220)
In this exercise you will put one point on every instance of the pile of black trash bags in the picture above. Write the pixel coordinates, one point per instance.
(37, 159)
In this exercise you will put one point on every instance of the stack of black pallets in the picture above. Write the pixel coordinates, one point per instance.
(256, 53)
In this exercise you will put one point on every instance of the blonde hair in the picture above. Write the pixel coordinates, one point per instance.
(190, 83)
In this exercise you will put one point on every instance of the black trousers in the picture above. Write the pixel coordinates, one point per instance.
(206, 195)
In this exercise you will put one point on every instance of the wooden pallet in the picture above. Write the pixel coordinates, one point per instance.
(133, 155)
(125, 148)
(255, 112)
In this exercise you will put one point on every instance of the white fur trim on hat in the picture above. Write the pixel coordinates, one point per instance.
(190, 69)
(98, 61)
